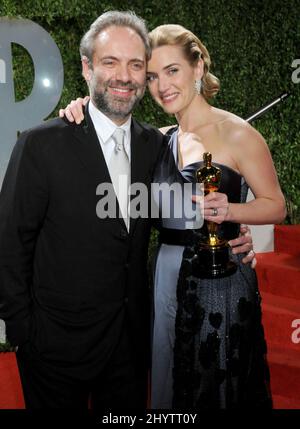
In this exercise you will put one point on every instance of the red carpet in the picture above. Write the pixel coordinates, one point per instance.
(279, 282)
(11, 395)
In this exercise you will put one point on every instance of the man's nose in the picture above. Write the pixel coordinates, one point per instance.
(123, 73)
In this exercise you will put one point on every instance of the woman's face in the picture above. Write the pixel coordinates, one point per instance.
(171, 78)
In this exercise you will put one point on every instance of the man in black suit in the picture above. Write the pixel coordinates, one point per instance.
(73, 289)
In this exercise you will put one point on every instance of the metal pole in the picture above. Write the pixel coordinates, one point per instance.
(268, 106)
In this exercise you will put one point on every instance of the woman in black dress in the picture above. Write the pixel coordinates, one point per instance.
(218, 359)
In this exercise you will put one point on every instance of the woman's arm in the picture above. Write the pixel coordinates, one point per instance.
(255, 164)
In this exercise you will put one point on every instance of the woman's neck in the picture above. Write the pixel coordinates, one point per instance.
(194, 115)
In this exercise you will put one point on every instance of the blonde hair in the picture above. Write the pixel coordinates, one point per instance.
(193, 49)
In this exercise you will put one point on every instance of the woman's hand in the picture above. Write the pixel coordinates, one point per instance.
(74, 110)
(219, 201)
(216, 207)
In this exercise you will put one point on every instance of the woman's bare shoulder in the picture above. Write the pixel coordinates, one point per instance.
(234, 129)
(223, 117)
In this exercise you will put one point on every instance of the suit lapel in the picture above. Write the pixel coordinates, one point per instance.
(89, 151)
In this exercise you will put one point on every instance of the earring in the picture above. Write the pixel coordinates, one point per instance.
(198, 85)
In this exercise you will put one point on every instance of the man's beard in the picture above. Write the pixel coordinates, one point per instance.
(113, 106)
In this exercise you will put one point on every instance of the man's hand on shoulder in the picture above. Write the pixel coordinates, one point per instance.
(243, 244)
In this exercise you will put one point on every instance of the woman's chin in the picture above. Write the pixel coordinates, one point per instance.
(171, 110)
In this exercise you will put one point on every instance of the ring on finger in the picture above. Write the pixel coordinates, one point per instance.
(214, 212)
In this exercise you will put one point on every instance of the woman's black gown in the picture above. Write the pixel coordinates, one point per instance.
(209, 349)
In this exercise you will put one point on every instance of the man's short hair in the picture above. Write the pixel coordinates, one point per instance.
(120, 19)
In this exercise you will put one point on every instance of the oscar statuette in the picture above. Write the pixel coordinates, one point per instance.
(213, 252)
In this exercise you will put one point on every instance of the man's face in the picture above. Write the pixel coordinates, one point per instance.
(117, 78)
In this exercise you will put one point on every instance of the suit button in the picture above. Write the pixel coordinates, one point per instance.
(126, 300)
(123, 234)
(126, 266)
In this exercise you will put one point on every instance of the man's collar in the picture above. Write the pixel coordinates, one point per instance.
(104, 126)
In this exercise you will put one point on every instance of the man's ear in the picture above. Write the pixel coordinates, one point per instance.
(86, 71)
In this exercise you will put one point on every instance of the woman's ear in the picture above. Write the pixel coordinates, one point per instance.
(199, 69)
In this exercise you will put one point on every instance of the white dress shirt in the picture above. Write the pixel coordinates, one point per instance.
(105, 128)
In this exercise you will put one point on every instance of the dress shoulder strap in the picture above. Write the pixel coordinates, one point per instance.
(171, 131)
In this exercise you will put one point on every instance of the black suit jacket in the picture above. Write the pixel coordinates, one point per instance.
(70, 281)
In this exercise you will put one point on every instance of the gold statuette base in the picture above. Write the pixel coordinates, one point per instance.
(213, 261)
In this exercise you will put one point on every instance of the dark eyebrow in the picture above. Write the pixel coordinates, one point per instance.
(137, 59)
(108, 57)
(111, 57)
